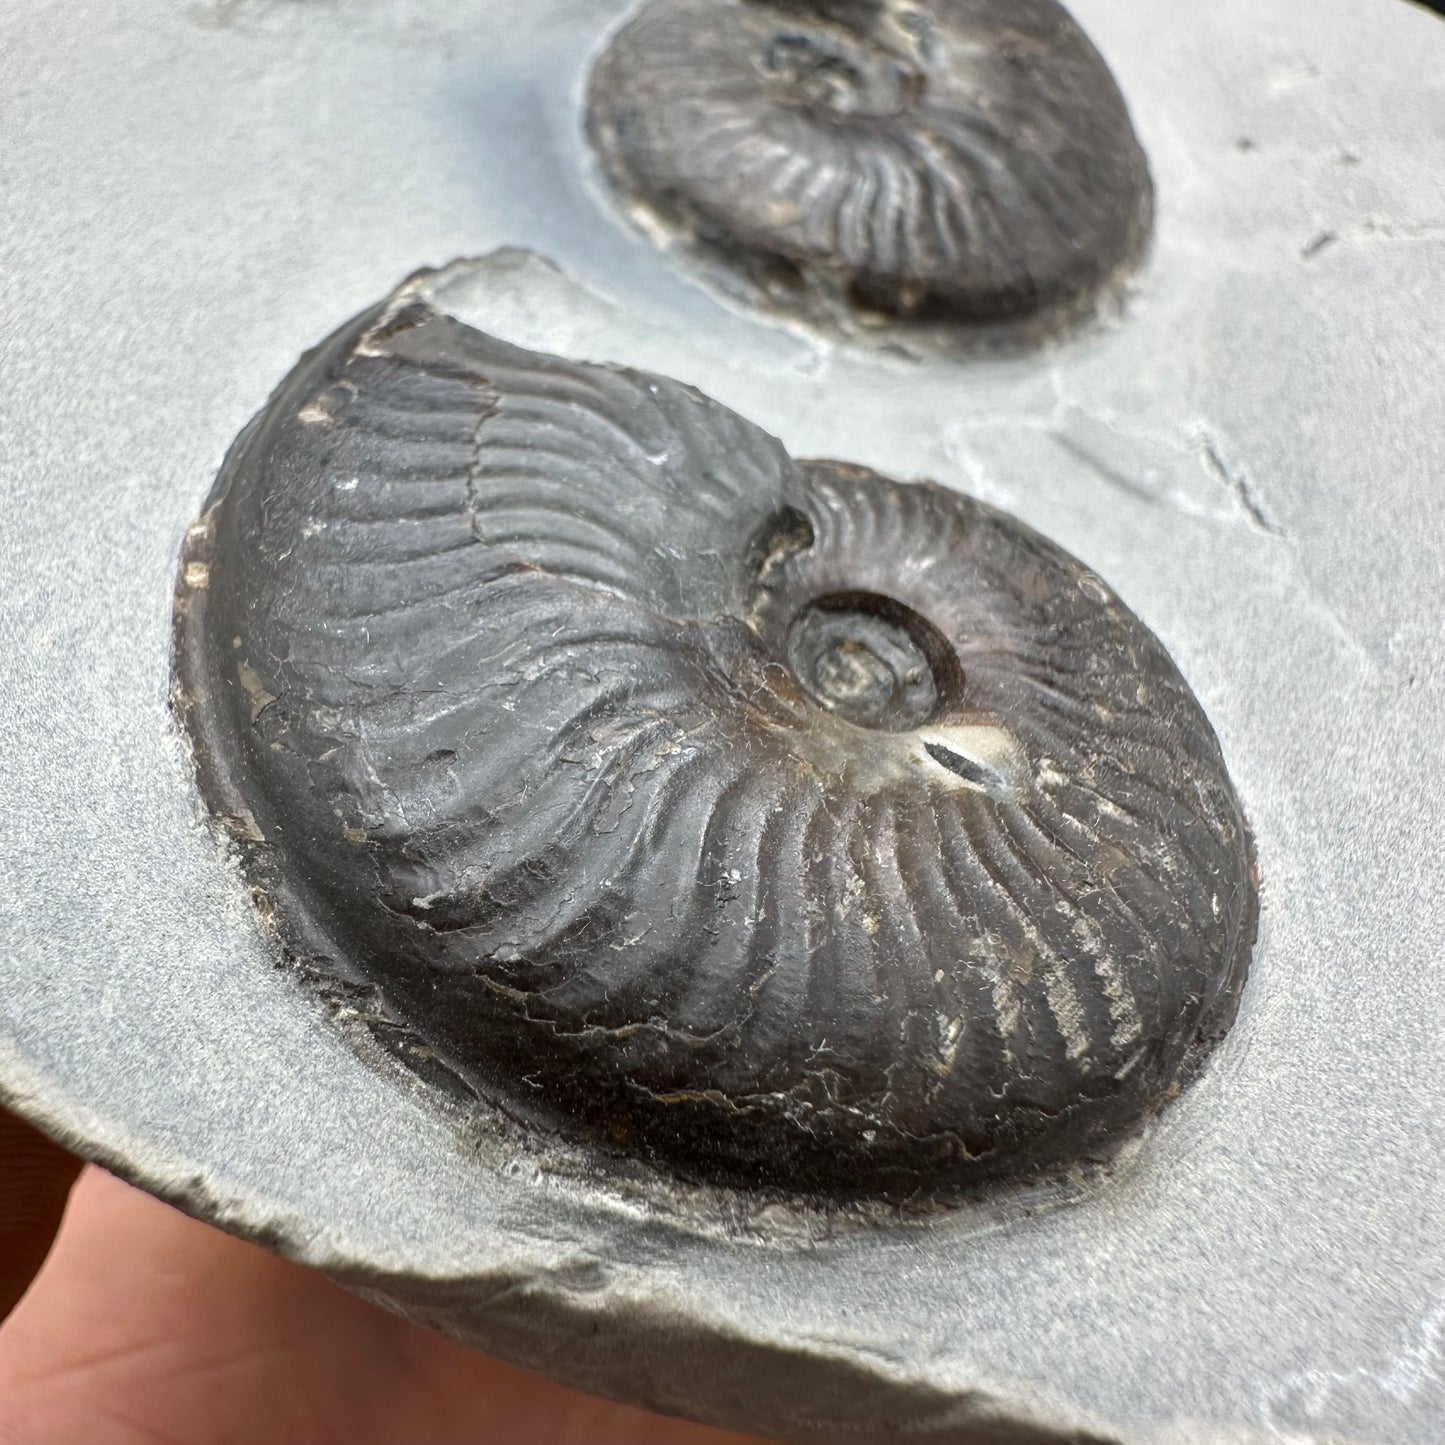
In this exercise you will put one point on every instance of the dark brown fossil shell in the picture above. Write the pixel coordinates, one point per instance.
(770, 821)
(955, 161)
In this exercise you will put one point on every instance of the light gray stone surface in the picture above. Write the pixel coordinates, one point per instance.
(1253, 457)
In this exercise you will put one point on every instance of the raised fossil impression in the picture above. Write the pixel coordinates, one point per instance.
(926, 161)
(767, 821)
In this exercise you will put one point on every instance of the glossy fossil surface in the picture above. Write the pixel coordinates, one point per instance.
(1267, 1262)
(773, 822)
(953, 166)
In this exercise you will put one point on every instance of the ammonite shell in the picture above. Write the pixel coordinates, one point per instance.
(770, 821)
(963, 161)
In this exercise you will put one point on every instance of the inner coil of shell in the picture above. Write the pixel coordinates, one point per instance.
(770, 822)
(956, 162)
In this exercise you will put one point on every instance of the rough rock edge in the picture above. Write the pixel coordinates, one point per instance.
(547, 1304)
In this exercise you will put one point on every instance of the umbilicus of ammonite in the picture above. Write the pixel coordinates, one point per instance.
(765, 821)
(954, 162)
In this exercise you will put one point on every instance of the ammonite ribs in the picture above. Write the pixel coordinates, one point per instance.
(925, 161)
(770, 821)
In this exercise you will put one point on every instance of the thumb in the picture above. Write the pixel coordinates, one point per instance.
(35, 1180)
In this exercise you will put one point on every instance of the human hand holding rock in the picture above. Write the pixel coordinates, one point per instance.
(144, 1326)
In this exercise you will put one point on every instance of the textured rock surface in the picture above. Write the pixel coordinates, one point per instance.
(1252, 460)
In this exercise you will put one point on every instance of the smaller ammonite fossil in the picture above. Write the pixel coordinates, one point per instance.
(770, 822)
(966, 166)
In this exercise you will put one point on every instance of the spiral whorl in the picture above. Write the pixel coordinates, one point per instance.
(955, 161)
(773, 822)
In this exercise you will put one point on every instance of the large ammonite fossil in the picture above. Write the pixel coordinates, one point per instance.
(955, 161)
(768, 821)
